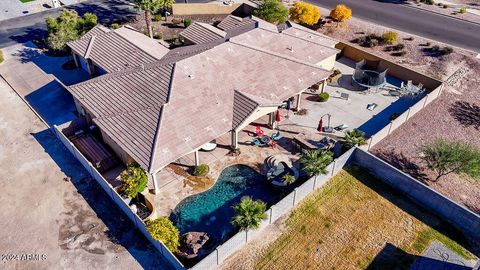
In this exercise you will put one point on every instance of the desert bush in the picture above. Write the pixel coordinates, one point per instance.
(463, 10)
(390, 37)
(304, 13)
(272, 11)
(162, 229)
(373, 43)
(400, 53)
(176, 21)
(302, 112)
(336, 72)
(429, 2)
(323, 97)
(157, 17)
(399, 47)
(1, 57)
(445, 6)
(134, 180)
(353, 138)
(446, 50)
(115, 26)
(341, 13)
(435, 48)
(409, 38)
(201, 170)
(187, 22)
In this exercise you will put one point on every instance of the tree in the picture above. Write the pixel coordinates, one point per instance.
(353, 138)
(341, 13)
(249, 214)
(162, 229)
(304, 13)
(288, 179)
(315, 162)
(134, 180)
(272, 11)
(68, 27)
(445, 157)
(149, 7)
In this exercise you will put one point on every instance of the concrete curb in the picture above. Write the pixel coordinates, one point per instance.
(441, 14)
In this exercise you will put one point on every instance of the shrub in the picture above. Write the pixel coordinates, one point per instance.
(272, 11)
(429, 2)
(201, 170)
(314, 162)
(428, 44)
(373, 43)
(115, 26)
(445, 6)
(162, 229)
(446, 50)
(445, 157)
(336, 72)
(302, 112)
(134, 180)
(249, 214)
(158, 35)
(410, 38)
(323, 97)
(390, 37)
(398, 47)
(304, 13)
(176, 21)
(401, 53)
(353, 138)
(1, 57)
(341, 13)
(463, 10)
(157, 17)
(187, 22)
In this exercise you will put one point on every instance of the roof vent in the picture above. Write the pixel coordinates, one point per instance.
(290, 48)
(300, 80)
(142, 66)
(191, 76)
(187, 139)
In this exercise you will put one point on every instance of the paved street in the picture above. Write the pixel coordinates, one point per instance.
(25, 28)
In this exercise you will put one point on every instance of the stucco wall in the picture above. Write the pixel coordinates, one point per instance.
(218, 8)
(463, 219)
(394, 69)
(126, 158)
(328, 63)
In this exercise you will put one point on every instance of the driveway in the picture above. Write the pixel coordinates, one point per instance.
(50, 206)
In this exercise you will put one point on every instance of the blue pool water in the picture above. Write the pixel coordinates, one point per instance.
(211, 210)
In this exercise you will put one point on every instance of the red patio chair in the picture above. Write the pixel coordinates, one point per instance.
(259, 131)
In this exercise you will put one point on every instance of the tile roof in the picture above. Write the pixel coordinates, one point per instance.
(200, 33)
(164, 110)
(232, 22)
(298, 31)
(112, 51)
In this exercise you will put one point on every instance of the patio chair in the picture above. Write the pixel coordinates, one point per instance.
(341, 127)
(257, 142)
(275, 136)
(259, 131)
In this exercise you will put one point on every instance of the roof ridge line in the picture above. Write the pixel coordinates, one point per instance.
(278, 55)
(133, 43)
(304, 29)
(121, 113)
(244, 95)
(89, 47)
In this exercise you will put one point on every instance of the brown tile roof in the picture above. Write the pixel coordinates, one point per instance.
(111, 50)
(298, 31)
(196, 94)
(200, 33)
(232, 22)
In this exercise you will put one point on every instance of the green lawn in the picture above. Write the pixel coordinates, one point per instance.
(350, 221)
(26, 1)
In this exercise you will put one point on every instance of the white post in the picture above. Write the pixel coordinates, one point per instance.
(234, 139)
(323, 85)
(196, 158)
(271, 120)
(297, 106)
(155, 184)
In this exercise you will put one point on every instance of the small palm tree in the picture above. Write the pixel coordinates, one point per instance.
(249, 214)
(288, 179)
(315, 162)
(353, 138)
(149, 7)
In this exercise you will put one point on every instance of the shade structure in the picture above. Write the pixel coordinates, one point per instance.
(320, 125)
(277, 116)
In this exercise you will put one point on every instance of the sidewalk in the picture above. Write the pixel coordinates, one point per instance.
(15, 8)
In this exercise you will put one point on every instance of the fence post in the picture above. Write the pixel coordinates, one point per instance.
(216, 250)
(425, 103)
(314, 182)
(294, 196)
(390, 128)
(271, 214)
(370, 142)
(408, 114)
(333, 169)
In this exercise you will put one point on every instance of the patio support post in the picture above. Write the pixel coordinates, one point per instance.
(271, 120)
(234, 139)
(197, 158)
(297, 105)
(75, 59)
(155, 184)
(323, 85)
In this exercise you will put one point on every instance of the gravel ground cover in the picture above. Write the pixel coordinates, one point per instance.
(454, 116)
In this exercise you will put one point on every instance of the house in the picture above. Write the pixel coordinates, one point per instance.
(154, 112)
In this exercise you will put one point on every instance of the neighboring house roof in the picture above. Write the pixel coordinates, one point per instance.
(200, 33)
(117, 50)
(164, 110)
(232, 22)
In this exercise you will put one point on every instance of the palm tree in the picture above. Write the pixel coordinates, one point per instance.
(288, 179)
(353, 138)
(249, 214)
(149, 7)
(167, 4)
(315, 162)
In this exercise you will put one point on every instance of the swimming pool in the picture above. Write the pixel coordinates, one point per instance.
(211, 210)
